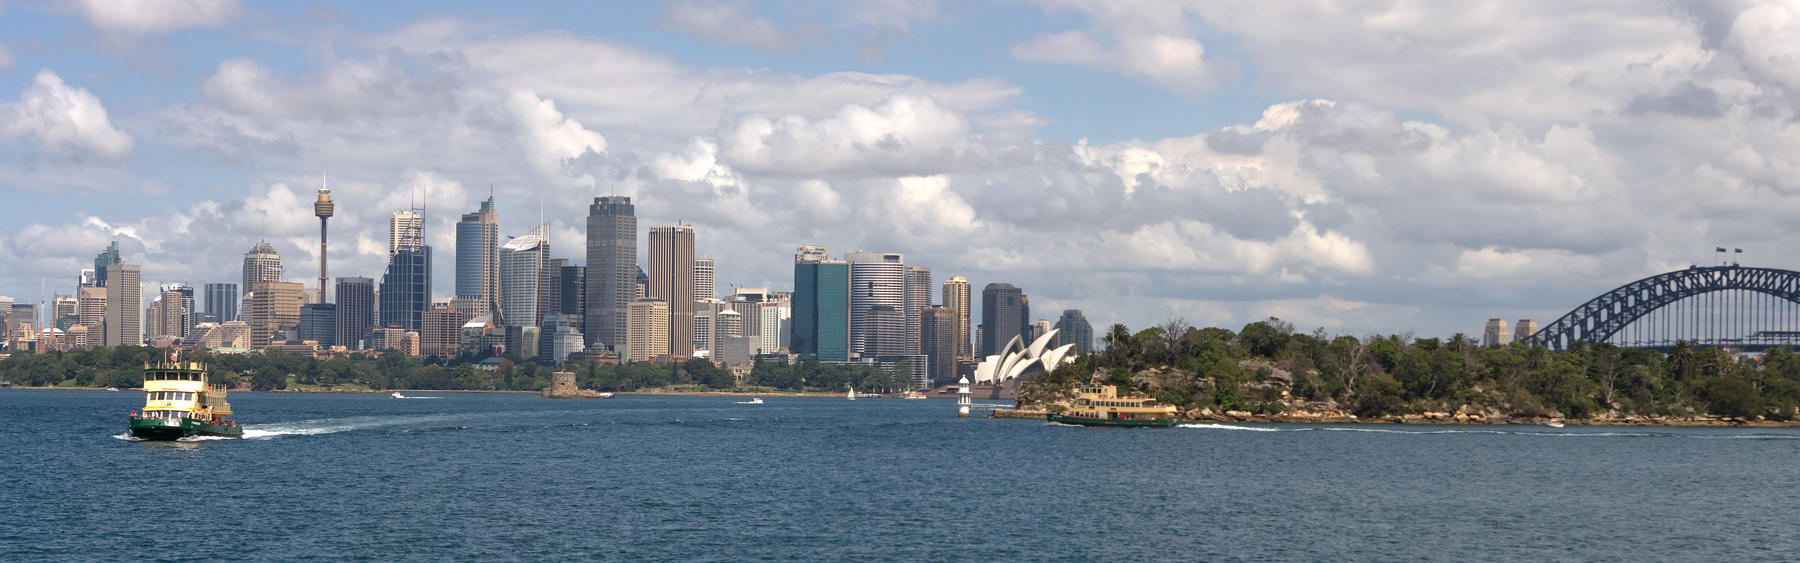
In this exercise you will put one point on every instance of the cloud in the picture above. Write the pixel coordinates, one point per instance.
(553, 140)
(63, 120)
(902, 133)
(727, 25)
(1150, 39)
(147, 17)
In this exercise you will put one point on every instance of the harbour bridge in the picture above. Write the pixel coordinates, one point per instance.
(1723, 306)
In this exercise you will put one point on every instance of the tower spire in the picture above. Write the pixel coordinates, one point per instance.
(323, 208)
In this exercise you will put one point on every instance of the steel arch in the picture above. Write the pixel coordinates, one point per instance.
(1602, 317)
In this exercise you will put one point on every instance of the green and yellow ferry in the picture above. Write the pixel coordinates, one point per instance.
(1101, 405)
(179, 402)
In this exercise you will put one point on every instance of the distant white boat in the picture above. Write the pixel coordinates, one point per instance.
(397, 395)
(851, 394)
(112, 388)
(1553, 424)
(752, 401)
(606, 395)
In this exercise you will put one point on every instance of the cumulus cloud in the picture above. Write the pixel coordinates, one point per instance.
(901, 133)
(552, 138)
(146, 17)
(63, 120)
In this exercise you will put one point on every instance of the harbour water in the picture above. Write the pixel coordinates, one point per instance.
(513, 477)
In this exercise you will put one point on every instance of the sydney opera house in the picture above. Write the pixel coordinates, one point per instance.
(1016, 360)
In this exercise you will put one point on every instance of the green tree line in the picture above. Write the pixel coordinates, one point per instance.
(1267, 367)
(268, 370)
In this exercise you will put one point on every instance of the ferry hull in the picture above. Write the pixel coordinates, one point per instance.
(1150, 423)
(178, 428)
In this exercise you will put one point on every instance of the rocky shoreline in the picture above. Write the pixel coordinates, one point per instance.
(1439, 419)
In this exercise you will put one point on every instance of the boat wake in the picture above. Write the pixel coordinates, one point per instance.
(1229, 427)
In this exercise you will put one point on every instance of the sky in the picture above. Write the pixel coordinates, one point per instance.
(1366, 167)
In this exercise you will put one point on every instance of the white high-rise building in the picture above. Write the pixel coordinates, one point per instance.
(958, 297)
(917, 299)
(647, 322)
(404, 228)
(522, 262)
(703, 280)
(775, 318)
(876, 278)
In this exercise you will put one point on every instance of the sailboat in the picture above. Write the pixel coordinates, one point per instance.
(851, 394)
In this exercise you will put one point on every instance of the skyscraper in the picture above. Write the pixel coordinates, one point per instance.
(322, 208)
(574, 279)
(90, 310)
(406, 287)
(222, 301)
(162, 319)
(821, 306)
(551, 304)
(1073, 328)
(672, 280)
(958, 298)
(404, 230)
(1004, 315)
(647, 320)
(274, 310)
(776, 320)
(261, 264)
(611, 271)
(124, 305)
(917, 297)
(105, 259)
(937, 328)
(477, 256)
(522, 262)
(876, 278)
(318, 323)
(355, 312)
(884, 332)
(703, 280)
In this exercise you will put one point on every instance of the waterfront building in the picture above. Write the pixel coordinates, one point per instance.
(1523, 330)
(222, 301)
(884, 332)
(917, 296)
(703, 279)
(355, 312)
(522, 261)
(821, 306)
(322, 208)
(124, 305)
(406, 286)
(958, 298)
(441, 331)
(229, 334)
(79, 338)
(611, 272)
(728, 323)
(1073, 328)
(477, 256)
(261, 264)
(937, 329)
(274, 310)
(106, 259)
(25, 314)
(672, 280)
(1004, 315)
(876, 278)
(648, 329)
(1495, 334)
(559, 338)
(66, 312)
(318, 323)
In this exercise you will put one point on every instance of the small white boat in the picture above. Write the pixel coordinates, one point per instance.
(397, 395)
(606, 395)
(851, 394)
(112, 388)
(1553, 424)
(752, 401)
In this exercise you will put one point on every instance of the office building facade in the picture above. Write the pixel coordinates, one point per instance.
(611, 275)
(124, 305)
(1005, 313)
(672, 280)
(1073, 328)
(355, 312)
(477, 255)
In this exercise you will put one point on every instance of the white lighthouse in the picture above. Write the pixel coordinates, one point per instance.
(962, 399)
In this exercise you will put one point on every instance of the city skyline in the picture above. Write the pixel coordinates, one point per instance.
(1196, 164)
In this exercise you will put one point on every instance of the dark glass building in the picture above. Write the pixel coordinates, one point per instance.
(1004, 314)
(821, 307)
(406, 288)
(355, 312)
